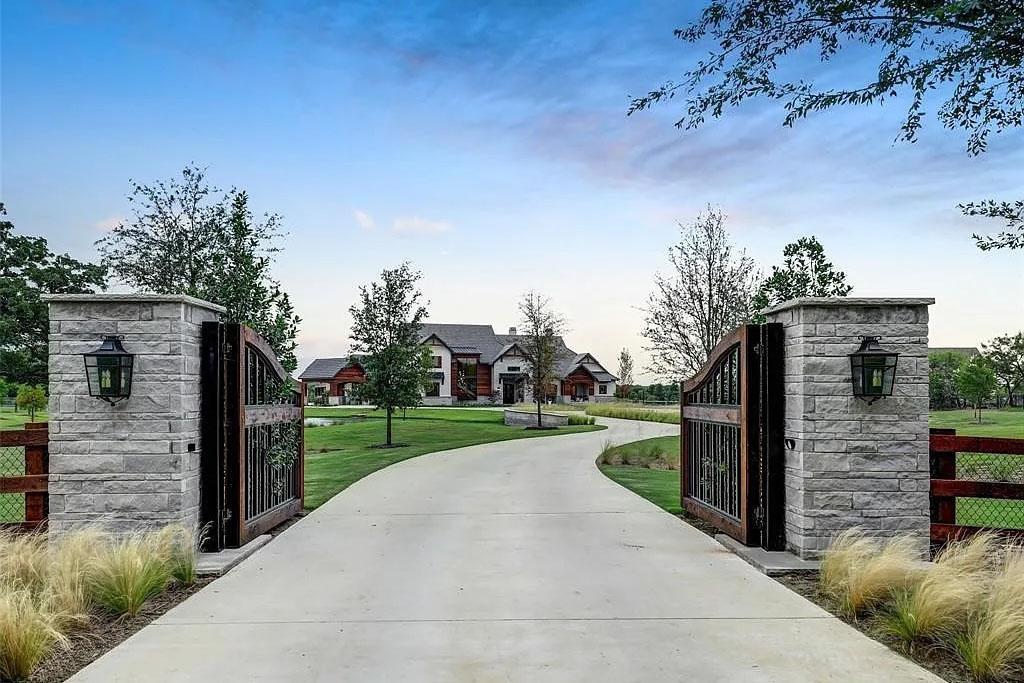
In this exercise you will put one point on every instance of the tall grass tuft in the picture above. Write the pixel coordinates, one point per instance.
(578, 419)
(860, 573)
(27, 632)
(24, 559)
(607, 447)
(66, 590)
(626, 412)
(180, 546)
(992, 644)
(127, 572)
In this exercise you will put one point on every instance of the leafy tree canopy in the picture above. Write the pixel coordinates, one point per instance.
(386, 329)
(28, 269)
(1005, 355)
(187, 237)
(969, 52)
(541, 328)
(976, 381)
(32, 399)
(805, 272)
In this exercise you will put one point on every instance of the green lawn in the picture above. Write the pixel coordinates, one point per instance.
(339, 455)
(15, 420)
(1004, 423)
(660, 486)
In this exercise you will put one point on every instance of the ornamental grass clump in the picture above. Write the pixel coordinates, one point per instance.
(579, 420)
(992, 643)
(66, 591)
(860, 573)
(24, 559)
(942, 600)
(127, 572)
(180, 547)
(28, 632)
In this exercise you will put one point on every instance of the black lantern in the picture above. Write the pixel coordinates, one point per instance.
(873, 369)
(109, 370)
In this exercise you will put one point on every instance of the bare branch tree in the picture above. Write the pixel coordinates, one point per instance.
(706, 295)
(541, 328)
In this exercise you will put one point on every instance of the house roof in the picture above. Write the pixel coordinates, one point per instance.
(326, 368)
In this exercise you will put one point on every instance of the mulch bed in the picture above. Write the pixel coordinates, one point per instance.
(105, 632)
(941, 662)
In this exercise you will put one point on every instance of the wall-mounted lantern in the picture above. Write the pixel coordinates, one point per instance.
(109, 370)
(873, 369)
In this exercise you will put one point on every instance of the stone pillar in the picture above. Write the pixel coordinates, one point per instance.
(851, 463)
(134, 464)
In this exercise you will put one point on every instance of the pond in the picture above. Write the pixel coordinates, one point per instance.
(330, 421)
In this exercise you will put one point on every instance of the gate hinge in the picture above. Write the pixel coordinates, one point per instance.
(225, 514)
(759, 516)
(758, 348)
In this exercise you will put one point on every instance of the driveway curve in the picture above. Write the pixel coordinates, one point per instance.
(515, 561)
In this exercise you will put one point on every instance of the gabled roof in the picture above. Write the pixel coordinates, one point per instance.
(327, 368)
(467, 339)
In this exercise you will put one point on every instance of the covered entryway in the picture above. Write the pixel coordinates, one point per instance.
(513, 387)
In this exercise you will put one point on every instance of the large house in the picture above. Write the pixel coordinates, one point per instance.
(471, 363)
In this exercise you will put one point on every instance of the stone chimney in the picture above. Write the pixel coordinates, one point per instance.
(512, 331)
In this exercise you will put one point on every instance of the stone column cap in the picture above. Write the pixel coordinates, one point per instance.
(134, 298)
(850, 301)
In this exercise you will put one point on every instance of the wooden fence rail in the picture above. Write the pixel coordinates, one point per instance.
(34, 483)
(997, 505)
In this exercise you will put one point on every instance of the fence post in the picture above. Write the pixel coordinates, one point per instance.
(36, 462)
(943, 466)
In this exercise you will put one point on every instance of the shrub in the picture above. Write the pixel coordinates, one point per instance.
(992, 644)
(27, 632)
(127, 572)
(606, 451)
(860, 573)
(577, 419)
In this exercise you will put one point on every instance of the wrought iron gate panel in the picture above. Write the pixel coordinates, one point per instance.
(252, 437)
(731, 470)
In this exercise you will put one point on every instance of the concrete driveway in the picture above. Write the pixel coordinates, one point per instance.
(516, 562)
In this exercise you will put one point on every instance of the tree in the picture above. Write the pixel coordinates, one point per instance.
(31, 398)
(625, 371)
(1005, 355)
(967, 51)
(28, 269)
(187, 237)
(386, 330)
(539, 339)
(706, 295)
(942, 391)
(805, 272)
(976, 382)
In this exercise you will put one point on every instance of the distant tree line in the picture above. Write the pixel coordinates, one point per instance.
(956, 380)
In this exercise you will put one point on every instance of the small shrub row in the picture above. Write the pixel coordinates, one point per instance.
(969, 600)
(48, 590)
(625, 412)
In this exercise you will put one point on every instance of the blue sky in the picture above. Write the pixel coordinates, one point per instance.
(486, 142)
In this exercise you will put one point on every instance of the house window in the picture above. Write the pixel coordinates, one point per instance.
(434, 389)
(437, 361)
(513, 368)
(602, 389)
(466, 380)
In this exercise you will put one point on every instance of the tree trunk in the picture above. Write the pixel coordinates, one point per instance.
(539, 423)
(390, 411)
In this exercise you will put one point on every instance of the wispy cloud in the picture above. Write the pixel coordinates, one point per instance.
(107, 224)
(364, 219)
(419, 226)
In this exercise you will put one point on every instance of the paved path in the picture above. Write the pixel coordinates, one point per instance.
(517, 562)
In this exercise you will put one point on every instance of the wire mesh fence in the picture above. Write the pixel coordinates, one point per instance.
(990, 512)
(12, 464)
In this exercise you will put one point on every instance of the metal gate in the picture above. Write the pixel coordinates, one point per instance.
(731, 426)
(252, 456)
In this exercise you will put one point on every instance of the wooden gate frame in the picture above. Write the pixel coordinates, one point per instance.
(224, 419)
(760, 418)
(34, 437)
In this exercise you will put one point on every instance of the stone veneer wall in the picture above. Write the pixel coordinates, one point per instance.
(854, 464)
(134, 464)
(529, 419)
